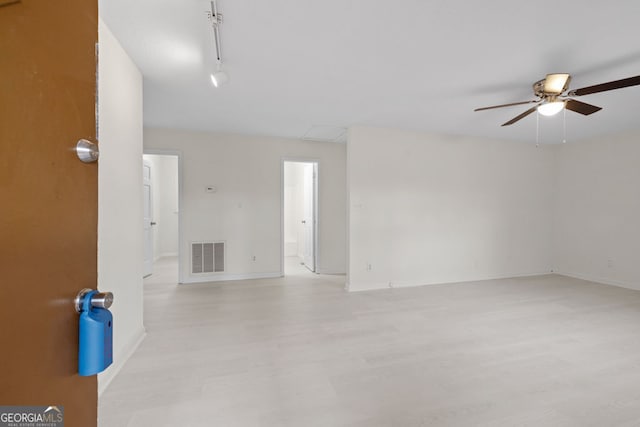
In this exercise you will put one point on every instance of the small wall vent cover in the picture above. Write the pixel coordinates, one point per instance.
(207, 257)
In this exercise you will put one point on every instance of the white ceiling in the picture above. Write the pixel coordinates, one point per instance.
(409, 64)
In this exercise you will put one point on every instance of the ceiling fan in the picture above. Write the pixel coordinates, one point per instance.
(552, 96)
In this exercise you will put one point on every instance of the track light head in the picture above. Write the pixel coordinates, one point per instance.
(219, 78)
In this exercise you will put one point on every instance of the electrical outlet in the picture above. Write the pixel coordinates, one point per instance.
(610, 263)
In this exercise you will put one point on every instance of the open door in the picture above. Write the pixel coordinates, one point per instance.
(147, 220)
(299, 212)
(48, 224)
(309, 216)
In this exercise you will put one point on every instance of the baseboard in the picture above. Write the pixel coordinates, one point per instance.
(395, 284)
(105, 378)
(168, 254)
(231, 277)
(602, 280)
(164, 255)
(368, 287)
(330, 272)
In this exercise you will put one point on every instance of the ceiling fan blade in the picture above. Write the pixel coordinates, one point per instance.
(556, 83)
(603, 87)
(521, 116)
(505, 105)
(581, 107)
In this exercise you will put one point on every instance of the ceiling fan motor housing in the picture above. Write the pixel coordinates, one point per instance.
(552, 85)
(538, 88)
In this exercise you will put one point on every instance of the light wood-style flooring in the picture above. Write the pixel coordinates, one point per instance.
(300, 351)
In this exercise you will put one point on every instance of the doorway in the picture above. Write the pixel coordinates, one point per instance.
(300, 213)
(161, 212)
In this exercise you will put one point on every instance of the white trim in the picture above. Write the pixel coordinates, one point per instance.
(231, 277)
(330, 273)
(168, 254)
(282, 160)
(347, 248)
(316, 216)
(395, 285)
(178, 154)
(165, 255)
(601, 280)
(147, 267)
(316, 238)
(105, 378)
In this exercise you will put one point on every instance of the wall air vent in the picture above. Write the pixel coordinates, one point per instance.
(208, 257)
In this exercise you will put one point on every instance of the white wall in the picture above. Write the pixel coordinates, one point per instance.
(246, 209)
(429, 209)
(597, 210)
(120, 249)
(164, 189)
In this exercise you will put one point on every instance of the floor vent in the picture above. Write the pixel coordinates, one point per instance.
(207, 257)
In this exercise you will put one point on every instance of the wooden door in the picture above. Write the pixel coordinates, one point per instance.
(48, 199)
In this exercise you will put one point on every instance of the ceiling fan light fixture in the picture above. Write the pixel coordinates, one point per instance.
(551, 108)
(551, 97)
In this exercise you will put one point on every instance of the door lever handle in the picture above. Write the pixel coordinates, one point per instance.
(153, 223)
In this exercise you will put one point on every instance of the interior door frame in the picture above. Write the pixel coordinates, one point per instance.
(147, 272)
(316, 198)
(178, 154)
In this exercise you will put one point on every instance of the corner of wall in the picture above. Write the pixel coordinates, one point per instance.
(120, 245)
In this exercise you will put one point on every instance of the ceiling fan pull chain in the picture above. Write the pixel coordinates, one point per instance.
(564, 126)
(537, 129)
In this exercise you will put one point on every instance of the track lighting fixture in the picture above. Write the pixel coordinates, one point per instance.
(214, 19)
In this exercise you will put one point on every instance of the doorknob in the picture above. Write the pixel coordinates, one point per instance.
(87, 151)
(304, 222)
(98, 300)
(153, 223)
